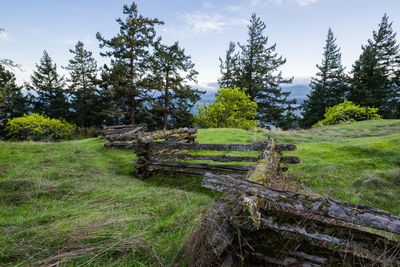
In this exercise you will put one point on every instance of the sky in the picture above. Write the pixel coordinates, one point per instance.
(203, 27)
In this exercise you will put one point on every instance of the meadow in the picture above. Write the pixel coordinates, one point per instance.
(79, 203)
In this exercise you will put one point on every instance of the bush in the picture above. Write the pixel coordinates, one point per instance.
(348, 111)
(37, 127)
(232, 109)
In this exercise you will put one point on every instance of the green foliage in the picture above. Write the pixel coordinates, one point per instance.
(12, 102)
(49, 96)
(85, 96)
(232, 109)
(373, 80)
(129, 53)
(37, 127)
(171, 71)
(348, 111)
(327, 89)
(256, 67)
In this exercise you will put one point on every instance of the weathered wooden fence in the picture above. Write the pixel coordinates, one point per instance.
(260, 225)
(122, 135)
(127, 136)
(172, 157)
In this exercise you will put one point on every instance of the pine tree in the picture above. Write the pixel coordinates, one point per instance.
(327, 89)
(50, 96)
(12, 102)
(130, 51)
(255, 67)
(229, 68)
(171, 71)
(373, 81)
(83, 87)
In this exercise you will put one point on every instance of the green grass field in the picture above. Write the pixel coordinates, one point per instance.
(78, 203)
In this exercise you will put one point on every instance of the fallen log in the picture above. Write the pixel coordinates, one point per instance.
(322, 233)
(218, 158)
(194, 171)
(323, 206)
(205, 166)
(290, 160)
(218, 147)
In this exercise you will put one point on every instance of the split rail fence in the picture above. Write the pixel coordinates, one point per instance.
(258, 225)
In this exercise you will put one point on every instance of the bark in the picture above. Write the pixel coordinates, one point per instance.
(323, 206)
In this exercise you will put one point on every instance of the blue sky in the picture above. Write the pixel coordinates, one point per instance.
(203, 27)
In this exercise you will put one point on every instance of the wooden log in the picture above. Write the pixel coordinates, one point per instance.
(206, 166)
(324, 234)
(323, 206)
(272, 168)
(194, 171)
(218, 147)
(127, 145)
(218, 158)
(121, 126)
(212, 147)
(290, 160)
(163, 134)
(125, 136)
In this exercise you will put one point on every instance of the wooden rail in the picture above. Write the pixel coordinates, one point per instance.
(172, 157)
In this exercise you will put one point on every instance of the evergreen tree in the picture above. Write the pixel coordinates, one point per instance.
(255, 67)
(49, 95)
(130, 51)
(170, 73)
(327, 89)
(229, 68)
(83, 87)
(373, 81)
(12, 102)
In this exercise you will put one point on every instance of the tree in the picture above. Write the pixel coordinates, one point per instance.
(328, 88)
(373, 81)
(255, 67)
(171, 70)
(49, 94)
(232, 109)
(129, 50)
(12, 102)
(83, 87)
(229, 67)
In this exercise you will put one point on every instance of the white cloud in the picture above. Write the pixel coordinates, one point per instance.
(4, 36)
(207, 5)
(201, 23)
(306, 2)
(253, 3)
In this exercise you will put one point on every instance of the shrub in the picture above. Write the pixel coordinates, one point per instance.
(37, 127)
(232, 109)
(348, 111)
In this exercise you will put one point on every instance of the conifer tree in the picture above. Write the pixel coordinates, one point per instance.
(171, 71)
(373, 81)
(256, 67)
(49, 95)
(12, 102)
(229, 68)
(83, 87)
(130, 51)
(327, 89)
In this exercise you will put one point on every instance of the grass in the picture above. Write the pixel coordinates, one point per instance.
(355, 162)
(77, 202)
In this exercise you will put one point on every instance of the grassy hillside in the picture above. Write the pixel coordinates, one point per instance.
(79, 202)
